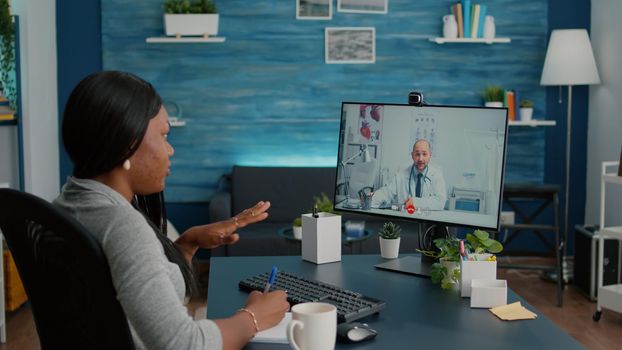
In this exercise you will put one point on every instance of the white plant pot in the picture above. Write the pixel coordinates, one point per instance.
(191, 24)
(389, 248)
(493, 104)
(526, 114)
(297, 232)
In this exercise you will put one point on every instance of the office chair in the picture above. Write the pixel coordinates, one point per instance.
(65, 274)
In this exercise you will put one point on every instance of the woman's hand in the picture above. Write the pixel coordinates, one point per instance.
(221, 232)
(269, 308)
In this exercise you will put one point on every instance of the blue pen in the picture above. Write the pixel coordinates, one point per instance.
(271, 279)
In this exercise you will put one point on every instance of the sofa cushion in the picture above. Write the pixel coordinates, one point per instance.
(289, 189)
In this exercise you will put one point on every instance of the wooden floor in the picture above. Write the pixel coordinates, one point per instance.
(575, 317)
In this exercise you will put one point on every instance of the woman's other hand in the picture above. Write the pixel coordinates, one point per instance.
(221, 232)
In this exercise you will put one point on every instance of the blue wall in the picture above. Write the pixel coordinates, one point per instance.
(266, 97)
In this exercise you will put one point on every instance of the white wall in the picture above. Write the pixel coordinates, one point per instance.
(39, 95)
(605, 114)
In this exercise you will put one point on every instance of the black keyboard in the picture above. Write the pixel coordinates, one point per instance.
(350, 305)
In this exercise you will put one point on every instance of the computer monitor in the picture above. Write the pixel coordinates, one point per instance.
(437, 164)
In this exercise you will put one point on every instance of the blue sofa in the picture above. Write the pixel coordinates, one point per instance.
(291, 191)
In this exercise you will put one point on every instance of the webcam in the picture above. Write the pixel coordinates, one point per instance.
(415, 99)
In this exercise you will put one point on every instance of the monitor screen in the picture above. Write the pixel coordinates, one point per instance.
(442, 164)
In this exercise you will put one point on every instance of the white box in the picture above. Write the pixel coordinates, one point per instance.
(488, 293)
(478, 269)
(321, 238)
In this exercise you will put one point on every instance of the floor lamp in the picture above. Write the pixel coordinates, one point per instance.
(569, 61)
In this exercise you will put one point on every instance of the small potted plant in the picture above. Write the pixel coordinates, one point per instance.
(297, 228)
(447, 270)
(181, 17)
(526, 110)
(493, 96)
(389, 240)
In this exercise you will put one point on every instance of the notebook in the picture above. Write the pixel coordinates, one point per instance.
(276, 334)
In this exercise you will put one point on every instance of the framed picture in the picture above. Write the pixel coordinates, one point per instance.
(350, 45)
(620, 165)
(314, 9)
(363, 6)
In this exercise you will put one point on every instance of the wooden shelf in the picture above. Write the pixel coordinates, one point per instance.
(440, 40)
(533, 122)
(175, 40)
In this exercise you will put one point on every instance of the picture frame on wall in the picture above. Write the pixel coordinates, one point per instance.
(350, 45)
(363, 6)
(314, 9)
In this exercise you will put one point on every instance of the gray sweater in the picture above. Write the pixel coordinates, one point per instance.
(150, 289)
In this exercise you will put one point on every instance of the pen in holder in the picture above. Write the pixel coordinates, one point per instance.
(365, 197)
(321, 237)
(478, 268)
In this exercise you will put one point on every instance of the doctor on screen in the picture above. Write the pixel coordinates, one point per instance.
(420, 184)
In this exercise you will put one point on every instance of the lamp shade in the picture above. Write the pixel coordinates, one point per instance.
(569, 59)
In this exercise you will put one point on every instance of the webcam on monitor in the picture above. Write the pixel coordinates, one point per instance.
(415, 99)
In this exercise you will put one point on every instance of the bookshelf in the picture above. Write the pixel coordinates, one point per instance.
(440, 40)
(182, 40)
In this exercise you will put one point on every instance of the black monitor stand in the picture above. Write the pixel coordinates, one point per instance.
(418, 265)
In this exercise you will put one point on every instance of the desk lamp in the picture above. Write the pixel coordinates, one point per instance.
(364, 151)
(569, 61)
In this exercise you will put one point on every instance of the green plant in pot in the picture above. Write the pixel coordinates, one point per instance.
(297, 228)
(390, 240)
(185, 18)
(526, 110)
(321, 203)
(447, 270)
(493, 96)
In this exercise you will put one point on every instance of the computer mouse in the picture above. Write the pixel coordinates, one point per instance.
(355, 332)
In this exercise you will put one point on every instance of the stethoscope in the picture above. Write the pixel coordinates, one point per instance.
(410, 177)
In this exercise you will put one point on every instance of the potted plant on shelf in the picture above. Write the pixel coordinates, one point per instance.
(526, 110)
(390, 240)
(198, 18)
(493, 96)
(447, 270)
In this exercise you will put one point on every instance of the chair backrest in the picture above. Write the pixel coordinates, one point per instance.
(65, 274)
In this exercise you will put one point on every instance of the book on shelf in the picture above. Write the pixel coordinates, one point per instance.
(466, 17)
(482, 19)
(474, 20)
(456, 10)
(510, 102)
(6, 113)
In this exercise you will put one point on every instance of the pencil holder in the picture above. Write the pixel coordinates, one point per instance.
(321, 238)
(479, 268)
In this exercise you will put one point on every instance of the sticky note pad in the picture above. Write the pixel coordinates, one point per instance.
(512, 312)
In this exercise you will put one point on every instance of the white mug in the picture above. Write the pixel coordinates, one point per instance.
(313, 326)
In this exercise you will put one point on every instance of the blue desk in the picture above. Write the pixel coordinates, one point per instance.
(419, 314)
